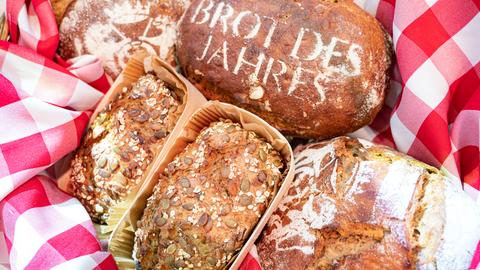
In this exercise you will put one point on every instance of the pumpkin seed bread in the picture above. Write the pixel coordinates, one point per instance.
(208, 200)
(121, 143)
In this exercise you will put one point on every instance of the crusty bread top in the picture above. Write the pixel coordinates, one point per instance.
(310, 68)
(208, 200)
(354, 205)
(121, 143)
(113, 29)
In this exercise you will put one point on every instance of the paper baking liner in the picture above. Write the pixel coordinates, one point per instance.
(122, 238)
(139, 64)
(3, 26)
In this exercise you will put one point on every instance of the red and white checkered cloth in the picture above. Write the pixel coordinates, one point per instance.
(44, 108)
(432, 111)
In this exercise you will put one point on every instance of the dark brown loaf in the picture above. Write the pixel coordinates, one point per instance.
(122, 142)
(208, 201)
(311, 68)
(114, 29)
(354, 205)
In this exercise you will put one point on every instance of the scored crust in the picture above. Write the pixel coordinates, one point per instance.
(121, 143)
(113, 29)
(311, 68)
(208, 200)
(359, 206)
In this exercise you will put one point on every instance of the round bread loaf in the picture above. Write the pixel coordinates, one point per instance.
(114, 29)
(311, 68)
(354, 205)
(208, 201)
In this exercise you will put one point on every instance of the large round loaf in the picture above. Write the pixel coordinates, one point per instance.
(354, 205)
(311, 68)
(113, 29)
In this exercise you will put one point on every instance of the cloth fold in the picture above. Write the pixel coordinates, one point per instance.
(45, 105)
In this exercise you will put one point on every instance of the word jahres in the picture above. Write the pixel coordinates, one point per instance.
(247, 24)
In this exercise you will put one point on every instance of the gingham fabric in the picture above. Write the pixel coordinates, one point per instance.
(52, 230)
(432, 111)
(44, 108)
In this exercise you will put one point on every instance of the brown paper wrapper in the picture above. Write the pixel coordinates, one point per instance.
(122, 238)
(140, 64)
(3, 26)
(59, 7)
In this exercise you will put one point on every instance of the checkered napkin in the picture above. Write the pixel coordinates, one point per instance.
(44, 108)
(432, 111)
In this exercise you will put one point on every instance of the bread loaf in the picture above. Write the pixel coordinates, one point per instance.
(354, 205)
(121, 143)
(208, 200)
(114, 29)
(311, 68)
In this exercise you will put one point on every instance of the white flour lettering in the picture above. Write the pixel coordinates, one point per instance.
(222, 50)
(222, 17)
(330, 51)
(319, 87)
(354, 58)
(255, 28)
(241, 61)
(332, 57)
(205, 11)
(297, 43)
(207, 46)
(268, 39)
(297, 79)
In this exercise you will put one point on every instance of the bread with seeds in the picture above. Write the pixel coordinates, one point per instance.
(121, 143)
(355, 205)
(208, 200)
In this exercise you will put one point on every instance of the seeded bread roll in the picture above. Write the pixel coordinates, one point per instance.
(354, 205)
(208, 200)
(121, 143)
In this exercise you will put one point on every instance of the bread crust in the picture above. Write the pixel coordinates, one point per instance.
(310, 68)
(113, 29)
(357, 206)
(208, 200)
(121, 143)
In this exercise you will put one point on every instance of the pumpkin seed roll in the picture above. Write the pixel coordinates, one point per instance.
(208, 200)
(120, 144)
